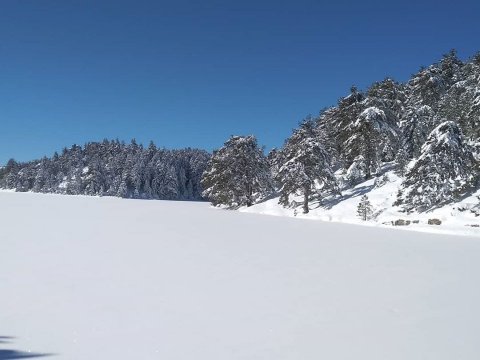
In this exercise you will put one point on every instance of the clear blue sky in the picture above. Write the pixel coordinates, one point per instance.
(192, 73)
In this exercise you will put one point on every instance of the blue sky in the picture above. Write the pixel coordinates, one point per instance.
(192, 73)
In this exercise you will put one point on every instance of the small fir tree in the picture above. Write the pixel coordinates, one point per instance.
(364, 209)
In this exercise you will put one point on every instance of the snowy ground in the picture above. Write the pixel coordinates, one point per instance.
(457, 218)
(105, 278)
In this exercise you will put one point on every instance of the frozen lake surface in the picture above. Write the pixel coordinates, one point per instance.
(106, 278)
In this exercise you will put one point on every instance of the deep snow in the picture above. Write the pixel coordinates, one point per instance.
(106, 278)
(457, 218)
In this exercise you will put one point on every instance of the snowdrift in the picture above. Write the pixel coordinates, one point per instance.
(459, 218)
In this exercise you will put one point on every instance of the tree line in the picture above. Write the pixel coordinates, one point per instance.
(112, 168)
(428, 129)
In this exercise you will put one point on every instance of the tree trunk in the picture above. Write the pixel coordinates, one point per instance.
(305, 200)
(249, 195)
(368, 173)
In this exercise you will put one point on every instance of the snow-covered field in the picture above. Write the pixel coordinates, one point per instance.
(106, 278)
(457, 218)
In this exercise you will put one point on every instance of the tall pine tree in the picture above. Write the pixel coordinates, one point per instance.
(306, 165)
(237, 174)
(443, 172)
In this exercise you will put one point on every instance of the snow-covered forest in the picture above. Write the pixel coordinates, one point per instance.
(426, 131)
(112, 168)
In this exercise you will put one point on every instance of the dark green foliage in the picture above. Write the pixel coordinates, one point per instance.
(306, 165)
(370, 132)
(112, 168)
(364, 209)
(237, 174)
(445, 170)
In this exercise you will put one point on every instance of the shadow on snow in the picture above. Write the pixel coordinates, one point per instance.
(14, 354)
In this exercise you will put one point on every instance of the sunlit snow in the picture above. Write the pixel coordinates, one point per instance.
(107, 278)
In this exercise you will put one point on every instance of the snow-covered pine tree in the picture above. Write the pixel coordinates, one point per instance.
(306, 165)
(364, 209)
(274, 159)
(428, 103)
(356, 172)
(401, 161)
(112, 168)
(443, 172)
(459, 101)
(450, 66)
(165, 182)
(326, 127)
(389, 97)
(463, 99)
(237, 174)
(337, 120)
(40, 177)
(368, 133)
(426, 87)
(11, 168)
(416, 125)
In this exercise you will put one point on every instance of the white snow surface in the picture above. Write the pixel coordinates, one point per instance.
(106, 278)
(457, 218)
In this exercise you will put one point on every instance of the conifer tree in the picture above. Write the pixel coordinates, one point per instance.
(369, 131)
(401, 161)
(237, 174)
(417, 124)
(274, 159)
(445, 170)
(337, 121)
(364, 209)
(306, 165)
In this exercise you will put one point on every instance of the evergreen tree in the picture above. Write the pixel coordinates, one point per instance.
(369, 132)
(462, 100)
(445, 170)
(417, 124)
(364, 209)
(274, 158)
(356, 172)
(401, 161)
(306, 165)
(237, 174)
(337, 121)
(389, 97)
(426, 87)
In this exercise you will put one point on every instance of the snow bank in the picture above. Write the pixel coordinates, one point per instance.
(457, 218)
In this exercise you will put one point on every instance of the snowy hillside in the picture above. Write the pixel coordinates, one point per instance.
(109, 278)
(425, 132)
(460, 217)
